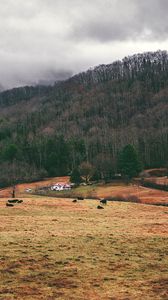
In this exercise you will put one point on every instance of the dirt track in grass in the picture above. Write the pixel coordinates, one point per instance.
(55, 249)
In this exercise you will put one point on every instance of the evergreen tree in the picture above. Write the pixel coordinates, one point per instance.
(129, 162)
(10, 152)
(75, 176)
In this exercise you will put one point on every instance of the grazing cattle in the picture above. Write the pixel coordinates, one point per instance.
(103, 201)
(9, 204)
(13, 201)
(100, 207)
(74, 201)
(80, 198)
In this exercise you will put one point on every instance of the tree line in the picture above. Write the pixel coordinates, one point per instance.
(50, 158)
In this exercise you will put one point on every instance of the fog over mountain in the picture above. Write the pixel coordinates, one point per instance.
(49, 40)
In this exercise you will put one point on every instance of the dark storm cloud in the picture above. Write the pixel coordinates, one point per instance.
(47, 40)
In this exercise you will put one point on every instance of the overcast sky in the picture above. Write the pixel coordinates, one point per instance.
(53, 39)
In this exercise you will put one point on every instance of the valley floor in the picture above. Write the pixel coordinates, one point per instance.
(145, 195)
(55, 249)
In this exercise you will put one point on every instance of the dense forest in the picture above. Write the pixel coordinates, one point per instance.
(50, 130)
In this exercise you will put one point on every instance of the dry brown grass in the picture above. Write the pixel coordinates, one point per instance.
(20, 188)
(160, 180)
(55, 249)
(146, 195)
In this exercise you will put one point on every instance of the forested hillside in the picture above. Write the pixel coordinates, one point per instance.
(47, 131)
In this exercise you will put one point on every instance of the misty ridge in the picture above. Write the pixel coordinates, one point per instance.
(114, 70)
(50, 130)
(60, 38)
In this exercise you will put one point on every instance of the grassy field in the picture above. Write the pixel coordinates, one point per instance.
(145, 195)
(20, 188)
(55, 249)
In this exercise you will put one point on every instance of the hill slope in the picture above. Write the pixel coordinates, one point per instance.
(49, 130)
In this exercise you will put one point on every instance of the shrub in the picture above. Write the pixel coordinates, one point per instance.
(121, 198)
(133, 198)
(115, 198)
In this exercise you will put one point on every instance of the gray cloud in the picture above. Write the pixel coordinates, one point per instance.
(47, 40)
(125, 20)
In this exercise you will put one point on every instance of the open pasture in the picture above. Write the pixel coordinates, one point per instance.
(56, 249)
(20, 188)
(145, 195)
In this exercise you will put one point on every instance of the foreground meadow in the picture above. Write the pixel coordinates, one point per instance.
(55, 249)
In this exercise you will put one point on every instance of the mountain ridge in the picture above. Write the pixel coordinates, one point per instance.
(96, 112)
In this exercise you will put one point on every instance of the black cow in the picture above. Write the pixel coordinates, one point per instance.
(9, 204)
(80, 198)
(20, 201)
(13, 201)
(103, 201)
(100, 207)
